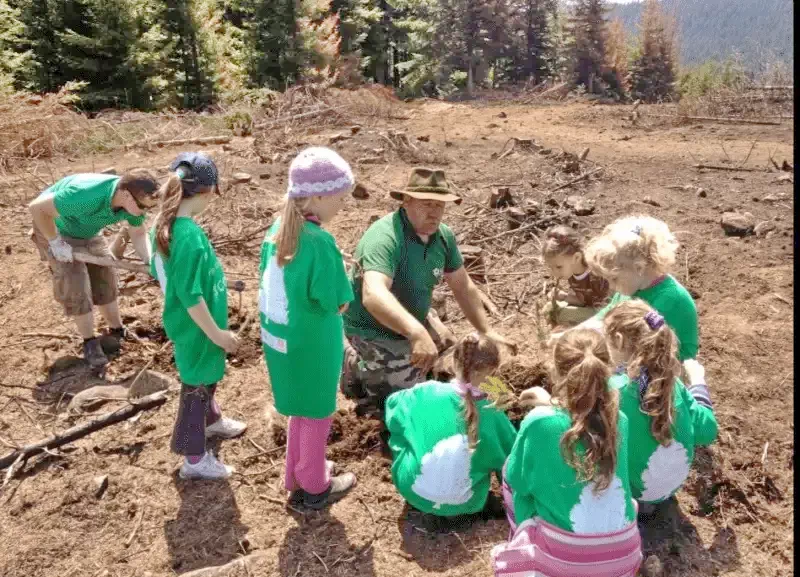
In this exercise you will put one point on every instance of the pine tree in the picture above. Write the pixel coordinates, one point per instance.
(617, 56)
(13, 61)
(652, 72)
(40, 41)
(587, 27)
(318, 39)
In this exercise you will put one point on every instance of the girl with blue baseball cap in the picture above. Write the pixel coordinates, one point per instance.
(195, 313)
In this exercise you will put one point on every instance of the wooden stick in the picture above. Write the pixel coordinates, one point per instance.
(269, 123)
(237, 285)
(728, 168)
(80, 431)
(583, 176)
(222, 139)
(718, 119)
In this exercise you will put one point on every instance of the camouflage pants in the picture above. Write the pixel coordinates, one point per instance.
(373, 370)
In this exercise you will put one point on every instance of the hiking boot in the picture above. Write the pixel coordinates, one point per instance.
(209, 467)
(226, 428)
(93, 353)
(340, 486)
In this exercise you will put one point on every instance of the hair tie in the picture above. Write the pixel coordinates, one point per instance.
(637, 230)
(654, 320)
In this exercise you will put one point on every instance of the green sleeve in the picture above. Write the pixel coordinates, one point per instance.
(703, 419)
(330, 288)
(686, 330)
(74, 201)
(136, 220)
(378, 250)
(188, 277)
(503, 436)
(520, 475)
(453, 259)
(615, 300)
(395, 417)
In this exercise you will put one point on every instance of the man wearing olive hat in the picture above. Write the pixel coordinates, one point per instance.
(398, 262)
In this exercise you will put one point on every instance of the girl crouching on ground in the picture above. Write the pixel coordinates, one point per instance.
(304, 290)
(562, 252)
(666, 420)
(195, 313)
(566, 481)
(446, 439)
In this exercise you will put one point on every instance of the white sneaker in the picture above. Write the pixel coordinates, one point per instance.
(226, 428)
(209, 467)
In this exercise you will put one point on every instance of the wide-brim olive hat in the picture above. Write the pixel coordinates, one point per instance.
(427, 184)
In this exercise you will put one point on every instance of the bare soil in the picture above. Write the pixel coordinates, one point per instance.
(734, 516)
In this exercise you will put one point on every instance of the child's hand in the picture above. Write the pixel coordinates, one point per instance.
(534, 397)
(343, 308)
(695, 371)
(229, 341)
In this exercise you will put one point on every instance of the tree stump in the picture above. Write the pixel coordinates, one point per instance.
(501, 198)
(515, 217)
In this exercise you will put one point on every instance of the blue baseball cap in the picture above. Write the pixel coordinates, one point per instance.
(196, 170)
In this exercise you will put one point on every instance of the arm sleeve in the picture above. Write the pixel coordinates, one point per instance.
(505, 434)
(521, 477)
(330, 288)
(135, 220)
(703, 418)
(70, 200)
(615, 300)
(378, 252)
(688, 337)
(395, 417)
(188, 278)
(453, 259)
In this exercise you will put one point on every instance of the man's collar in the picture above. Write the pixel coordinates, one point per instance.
(410, 232)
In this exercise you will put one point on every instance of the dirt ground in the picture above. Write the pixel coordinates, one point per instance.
(734, 517)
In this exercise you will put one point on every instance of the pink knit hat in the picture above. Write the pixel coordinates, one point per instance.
(319, 171)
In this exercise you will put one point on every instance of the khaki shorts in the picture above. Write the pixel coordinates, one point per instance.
(78, 286)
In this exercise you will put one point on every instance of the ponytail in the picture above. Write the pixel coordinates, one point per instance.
(653, 360)
(474, 353)
(171, 197)
(288, 234)
(581, 362)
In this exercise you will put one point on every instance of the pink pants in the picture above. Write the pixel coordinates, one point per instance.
(306, 467)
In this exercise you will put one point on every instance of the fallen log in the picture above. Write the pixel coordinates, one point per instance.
(80, 431)
(728, 168)
(237, 285)
(311, 114)
(221, 139)
(719, 119)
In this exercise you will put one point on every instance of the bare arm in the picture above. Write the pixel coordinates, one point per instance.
(378, 299)
(468, 298)
(138, 236)
(202, 317)
(44, 213)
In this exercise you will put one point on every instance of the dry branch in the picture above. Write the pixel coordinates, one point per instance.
(718, 119)
(728, 168)
(132, 266)
(583, 176)
(220, 139)
(80, 431)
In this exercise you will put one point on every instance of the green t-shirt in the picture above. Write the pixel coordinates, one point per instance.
(671, 299)
(392, 247)
(83, 202)
(432, 465)
(545, 486)
(191, 272)
(656, 471)
(301, 328)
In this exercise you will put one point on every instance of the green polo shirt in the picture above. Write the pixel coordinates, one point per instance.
(83, 202)
(392, 247)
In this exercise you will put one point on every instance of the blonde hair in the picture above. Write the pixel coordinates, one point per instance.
(473, 353)
(633, 244)
(171, 196)
(581, 361)
(288, 234)
(562, 241)
(654, 351)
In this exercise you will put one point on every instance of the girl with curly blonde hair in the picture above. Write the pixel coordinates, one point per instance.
(636, 254)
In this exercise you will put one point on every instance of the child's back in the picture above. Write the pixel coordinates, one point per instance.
(433, 467)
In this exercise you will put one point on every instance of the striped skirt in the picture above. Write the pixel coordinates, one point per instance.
(538, 549)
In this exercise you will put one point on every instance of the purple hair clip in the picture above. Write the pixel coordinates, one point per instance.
(654, 320)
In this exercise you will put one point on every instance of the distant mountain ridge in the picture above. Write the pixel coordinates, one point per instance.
(757, 30)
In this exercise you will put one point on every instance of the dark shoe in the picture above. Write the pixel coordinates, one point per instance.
(120, 333)
(340, 486)
(93, 353)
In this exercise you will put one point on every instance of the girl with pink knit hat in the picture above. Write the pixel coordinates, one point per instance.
(304, 290)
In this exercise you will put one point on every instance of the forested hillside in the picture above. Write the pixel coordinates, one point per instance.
(756, 30)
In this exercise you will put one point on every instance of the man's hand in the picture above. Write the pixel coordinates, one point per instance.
(60, 249)
(535, 397)
(498, 338)
(423, 350)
